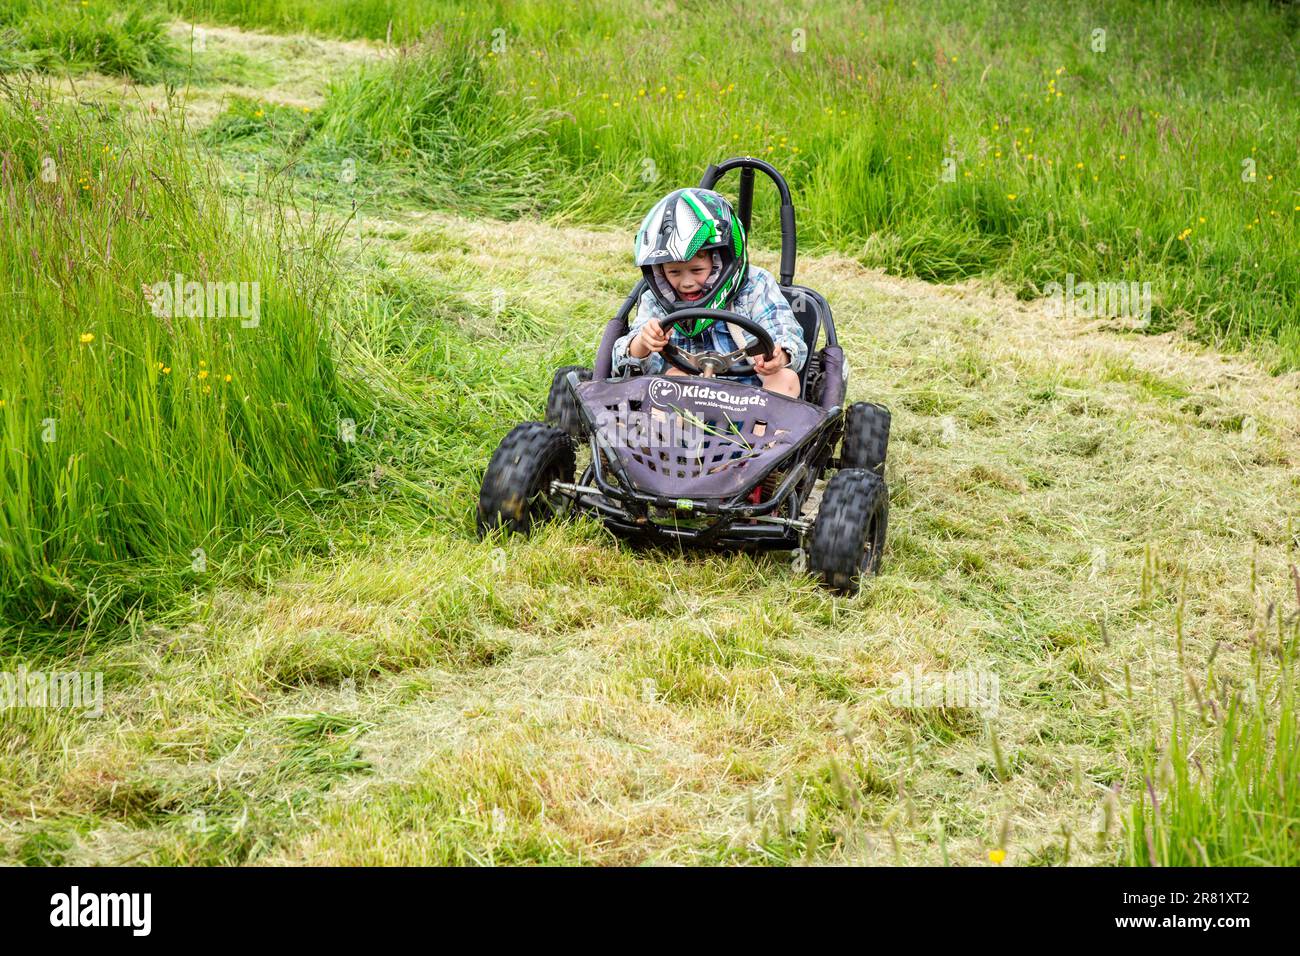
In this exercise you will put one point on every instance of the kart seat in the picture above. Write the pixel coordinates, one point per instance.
(809, 308)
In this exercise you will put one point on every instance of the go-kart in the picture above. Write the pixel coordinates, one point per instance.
(704, 460)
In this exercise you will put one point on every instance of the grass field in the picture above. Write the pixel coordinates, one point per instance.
(1157, 150)
(307, 656)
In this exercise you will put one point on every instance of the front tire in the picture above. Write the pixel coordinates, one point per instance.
(516, 487)
(848, 536)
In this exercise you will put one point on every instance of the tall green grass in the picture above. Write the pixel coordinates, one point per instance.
(1125, 164)
(343, 18)
(442, 121)
(1223, 791)
(124, 37)
(417, 129)
(134, 445)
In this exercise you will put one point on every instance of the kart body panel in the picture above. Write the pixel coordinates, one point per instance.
(677, 459)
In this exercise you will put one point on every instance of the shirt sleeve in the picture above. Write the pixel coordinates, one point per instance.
(621, 358)
(769, 309)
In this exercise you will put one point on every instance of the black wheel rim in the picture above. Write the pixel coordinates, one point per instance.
(869, 560)
(541, 503)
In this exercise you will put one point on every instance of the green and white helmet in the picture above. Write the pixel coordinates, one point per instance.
(682, 224)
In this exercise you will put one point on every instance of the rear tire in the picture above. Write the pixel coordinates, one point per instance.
(561, 408)
(516, 487)
(866, 437)
(848, 536)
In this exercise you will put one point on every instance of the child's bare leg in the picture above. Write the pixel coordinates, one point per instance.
(784, 381)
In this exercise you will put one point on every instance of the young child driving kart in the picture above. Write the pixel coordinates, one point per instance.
(692, 248)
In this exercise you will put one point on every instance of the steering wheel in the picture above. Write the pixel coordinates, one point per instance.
(710, 363)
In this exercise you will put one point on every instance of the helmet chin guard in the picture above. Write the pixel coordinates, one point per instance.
(662, 285)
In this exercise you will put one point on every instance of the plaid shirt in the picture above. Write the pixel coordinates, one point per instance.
(759, 299)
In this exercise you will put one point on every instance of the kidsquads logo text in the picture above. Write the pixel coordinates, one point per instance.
(666, 393)
(75, 908)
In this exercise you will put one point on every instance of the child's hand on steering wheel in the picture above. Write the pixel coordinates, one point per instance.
(652, 336)
(766, 366)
